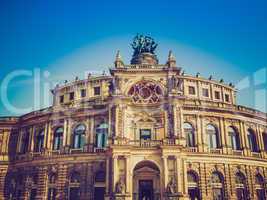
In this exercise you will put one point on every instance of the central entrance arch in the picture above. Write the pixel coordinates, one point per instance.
(146, 181)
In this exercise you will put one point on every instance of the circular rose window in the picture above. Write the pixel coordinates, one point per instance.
(145, 92)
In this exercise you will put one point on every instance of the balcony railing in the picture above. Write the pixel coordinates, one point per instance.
(144, 143)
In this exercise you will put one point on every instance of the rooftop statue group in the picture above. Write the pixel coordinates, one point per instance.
(143, 44)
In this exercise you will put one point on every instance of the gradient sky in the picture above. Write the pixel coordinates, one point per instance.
(65, 39)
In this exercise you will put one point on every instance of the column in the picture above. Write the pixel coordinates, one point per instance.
(65, 132)
(222, 135)
(165, 167)
(128, 175)
(49, 137)
(92, 129)
(179, 170)
(19, 141)
(115, 171)
(69, 133)
(45, 135)
(166, 124)
(198, 132)
(107, 175)
(32, 138)
(185, 191)
(244, 135)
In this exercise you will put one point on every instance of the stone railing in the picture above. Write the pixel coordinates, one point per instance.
(191, 149)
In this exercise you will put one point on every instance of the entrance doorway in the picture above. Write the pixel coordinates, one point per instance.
(99, 193)
(146, 190)
(146, 181)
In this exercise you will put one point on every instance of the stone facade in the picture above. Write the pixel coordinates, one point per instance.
(146, 131)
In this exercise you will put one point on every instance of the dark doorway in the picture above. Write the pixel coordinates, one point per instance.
(99, 193)
(146, 190)
(194, 193)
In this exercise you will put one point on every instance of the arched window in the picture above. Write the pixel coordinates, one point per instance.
(52, 188)
(145, 92)
(241, 186)
(74, 186)
(190, 135)
(212, 136)
(25, 141)
(58, 138)
(259, 185)
(234, 138)
(217, 186)
(264, 136)
(193, 188)
(252, 140)
(79, 136)
(101, 135)
(40, 141)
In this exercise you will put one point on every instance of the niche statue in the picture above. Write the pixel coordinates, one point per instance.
(171, 187)
(120, 187)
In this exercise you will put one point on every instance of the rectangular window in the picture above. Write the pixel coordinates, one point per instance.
(227, 98)
(61, 99)
(217, 95)
(191, 90)
(83, 93)
(145, 134)
(96, 91)
(71, 96)
(265, 141)
(205, 92)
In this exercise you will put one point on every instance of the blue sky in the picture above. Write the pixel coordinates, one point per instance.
(65, 39)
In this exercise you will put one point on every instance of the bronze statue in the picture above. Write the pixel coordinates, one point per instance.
(143, 44)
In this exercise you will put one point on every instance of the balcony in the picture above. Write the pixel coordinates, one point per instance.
(191, 149)
(215, 151)
(144, 143)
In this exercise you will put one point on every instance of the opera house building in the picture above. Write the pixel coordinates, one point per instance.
(145, 131)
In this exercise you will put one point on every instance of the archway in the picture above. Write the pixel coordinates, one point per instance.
(146, 181)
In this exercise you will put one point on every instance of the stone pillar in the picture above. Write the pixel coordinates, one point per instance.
(49, 137)
(199, 134)
(185, 188)
(62, 180)
(69, 133)
(92, 130)
(243, 133)
(166, 171)
(202, 181)
(45, 135)
(222, 135)
(128, 175)
(179, 179)
(19, 142)
(3, 172)
(166, 123)
(65, 132)
(41, 188)
(115, 172)
(260, 140)
(32, 138)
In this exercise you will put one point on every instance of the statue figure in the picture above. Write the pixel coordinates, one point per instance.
(120, 187)
(143, 44)
(171, 187)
